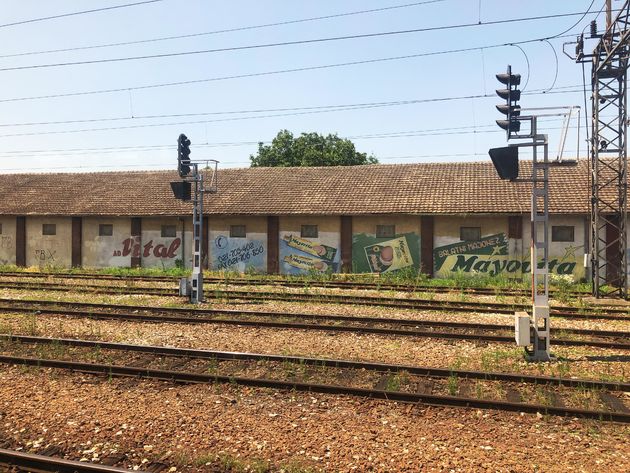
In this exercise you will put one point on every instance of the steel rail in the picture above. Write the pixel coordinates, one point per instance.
(319, 317)
(404, 303)
(289, 283)
(430, 399)
(616, 345)
(185, 310)
(326, 362)
(42, 463)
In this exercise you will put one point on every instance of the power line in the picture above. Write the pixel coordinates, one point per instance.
(163, 165)
(252, 117)
(230, 30)
(468, 129)
(83, 12)
(265, 73)
(291, 112)
(293, 43)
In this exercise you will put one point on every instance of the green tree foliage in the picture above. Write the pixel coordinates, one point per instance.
(309, 149)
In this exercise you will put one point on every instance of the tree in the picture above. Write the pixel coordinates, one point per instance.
(309, 149)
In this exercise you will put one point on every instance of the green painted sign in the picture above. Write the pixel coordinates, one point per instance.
(385, 255)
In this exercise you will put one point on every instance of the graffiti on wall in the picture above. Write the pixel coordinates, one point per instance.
(237, 254)
(490, 256)
(45, 256)
(385, 255)
(302, 255)
(131, 246)
(6, 242)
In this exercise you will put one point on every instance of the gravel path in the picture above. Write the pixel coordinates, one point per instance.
(186, 426)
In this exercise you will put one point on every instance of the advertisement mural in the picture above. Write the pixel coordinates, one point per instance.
(385, 255)
(237, 254)
(305, 255)
(490, 256)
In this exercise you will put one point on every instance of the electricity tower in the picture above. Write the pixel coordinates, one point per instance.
(608, 154)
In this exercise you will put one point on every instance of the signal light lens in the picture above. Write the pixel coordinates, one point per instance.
(507, 94)
(513, 79)
(505, 109)
(509, 125)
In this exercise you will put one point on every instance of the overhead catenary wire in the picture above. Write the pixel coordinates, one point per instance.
(308, 111)
(462, 130)
(298, 42)
(82, 12)
(236, 112)
(228, 30)
(240, 163)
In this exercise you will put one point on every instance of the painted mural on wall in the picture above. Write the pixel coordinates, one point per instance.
(385, 255)
(132, 247)
(305, 255)
(237, 254)
(490, 256)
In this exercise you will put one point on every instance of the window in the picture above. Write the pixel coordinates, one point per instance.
(562, 233)
(309, 231)
(237, 231)
(105, 229)
(169, 231)
(49, 229)
(385, 231)
(469, 233)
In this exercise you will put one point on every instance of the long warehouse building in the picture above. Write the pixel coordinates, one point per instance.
(437, 218)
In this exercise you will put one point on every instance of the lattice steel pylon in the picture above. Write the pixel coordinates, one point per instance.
(608, 156)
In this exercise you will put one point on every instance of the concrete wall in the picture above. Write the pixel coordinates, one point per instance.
(7, 240)
(248, 254)
(158, 251)
(106, 251)
(497, 254)
(383, 255)
(302, 255)
(565, 257)
(49, 250)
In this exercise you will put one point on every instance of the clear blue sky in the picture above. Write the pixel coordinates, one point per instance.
(227, 134)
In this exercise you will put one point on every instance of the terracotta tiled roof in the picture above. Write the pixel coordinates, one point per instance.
(444, 188)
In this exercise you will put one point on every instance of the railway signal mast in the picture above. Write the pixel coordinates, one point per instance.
(533, 332)
(193, 175)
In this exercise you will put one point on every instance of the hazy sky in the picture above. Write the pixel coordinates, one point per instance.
(225, 116)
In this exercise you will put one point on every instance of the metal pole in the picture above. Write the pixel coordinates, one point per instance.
(196, 282)
(540, 275)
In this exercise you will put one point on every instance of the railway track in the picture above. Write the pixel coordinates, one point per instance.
(604, 400)
(11, 460)
(492, 333)
(272, 281)
(381, 301)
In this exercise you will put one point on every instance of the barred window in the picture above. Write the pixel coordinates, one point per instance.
(385, 231)
(169, 231)
(309, 231)
(49, 229)
(105, 229)
(562, 233)
(469, 233)
(238, 231)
